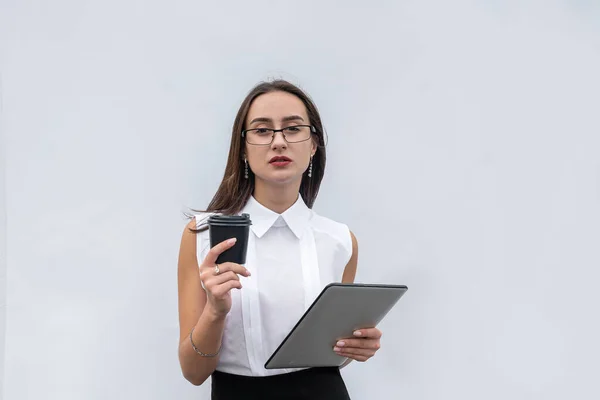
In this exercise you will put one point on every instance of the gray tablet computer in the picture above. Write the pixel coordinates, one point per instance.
(336, 313)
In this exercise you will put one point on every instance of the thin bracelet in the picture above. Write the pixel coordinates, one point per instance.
(198, 351)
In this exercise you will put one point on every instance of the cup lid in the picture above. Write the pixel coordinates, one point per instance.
(230, 219)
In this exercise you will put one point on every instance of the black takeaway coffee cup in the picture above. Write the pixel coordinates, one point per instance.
(223, 227)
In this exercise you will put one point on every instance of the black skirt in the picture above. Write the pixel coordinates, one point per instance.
(312, 383)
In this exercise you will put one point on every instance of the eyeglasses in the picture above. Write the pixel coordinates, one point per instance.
(291, 134)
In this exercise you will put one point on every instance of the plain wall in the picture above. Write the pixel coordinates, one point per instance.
(463, 153)
(2, 243)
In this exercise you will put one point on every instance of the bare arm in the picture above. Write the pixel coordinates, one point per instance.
(204, 310)
(208, 329)
(365, 342)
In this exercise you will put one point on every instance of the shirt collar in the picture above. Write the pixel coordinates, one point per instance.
(296, 217)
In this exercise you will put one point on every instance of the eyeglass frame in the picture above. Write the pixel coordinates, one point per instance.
(313, 131)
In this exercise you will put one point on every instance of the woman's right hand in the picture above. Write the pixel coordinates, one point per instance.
(218, 286)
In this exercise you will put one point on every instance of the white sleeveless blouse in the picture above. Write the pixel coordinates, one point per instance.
(292, 257)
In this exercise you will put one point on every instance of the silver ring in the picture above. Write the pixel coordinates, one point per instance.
(217, 272)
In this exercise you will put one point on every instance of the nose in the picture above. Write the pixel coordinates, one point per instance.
(278, 141)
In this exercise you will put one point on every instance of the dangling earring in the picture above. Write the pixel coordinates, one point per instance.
(246, 169)
(310, 167)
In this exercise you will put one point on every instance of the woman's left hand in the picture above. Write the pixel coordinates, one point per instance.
(362, 346)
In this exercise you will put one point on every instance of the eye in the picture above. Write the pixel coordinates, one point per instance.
(262, 131)
(292, 129)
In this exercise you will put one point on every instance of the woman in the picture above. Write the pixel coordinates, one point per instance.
(232, 317)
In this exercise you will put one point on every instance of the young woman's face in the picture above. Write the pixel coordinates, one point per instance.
(278, 110)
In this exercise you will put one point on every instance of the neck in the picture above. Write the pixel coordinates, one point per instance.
(277, 198)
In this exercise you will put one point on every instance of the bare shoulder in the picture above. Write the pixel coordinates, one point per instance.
(354, 243)
(188, 243)
(190, 227)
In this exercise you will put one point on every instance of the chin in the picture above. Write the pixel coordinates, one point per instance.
(280, 177)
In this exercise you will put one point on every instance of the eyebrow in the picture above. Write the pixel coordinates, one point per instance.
(284, 119)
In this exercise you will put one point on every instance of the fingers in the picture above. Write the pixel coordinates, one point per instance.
(219, 285)
(363, 346)
(357, 349)
(226, 267)
(357, 355)
(223, 277)
(227, 279)
(373, 333)
(224, 288)
(370, 344)
(209, 271)
(211, 256)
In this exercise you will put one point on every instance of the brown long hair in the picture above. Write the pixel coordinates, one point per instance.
(234, 190)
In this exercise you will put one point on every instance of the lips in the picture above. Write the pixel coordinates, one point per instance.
(280, 159)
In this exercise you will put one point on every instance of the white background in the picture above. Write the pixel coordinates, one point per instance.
(463, 152)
